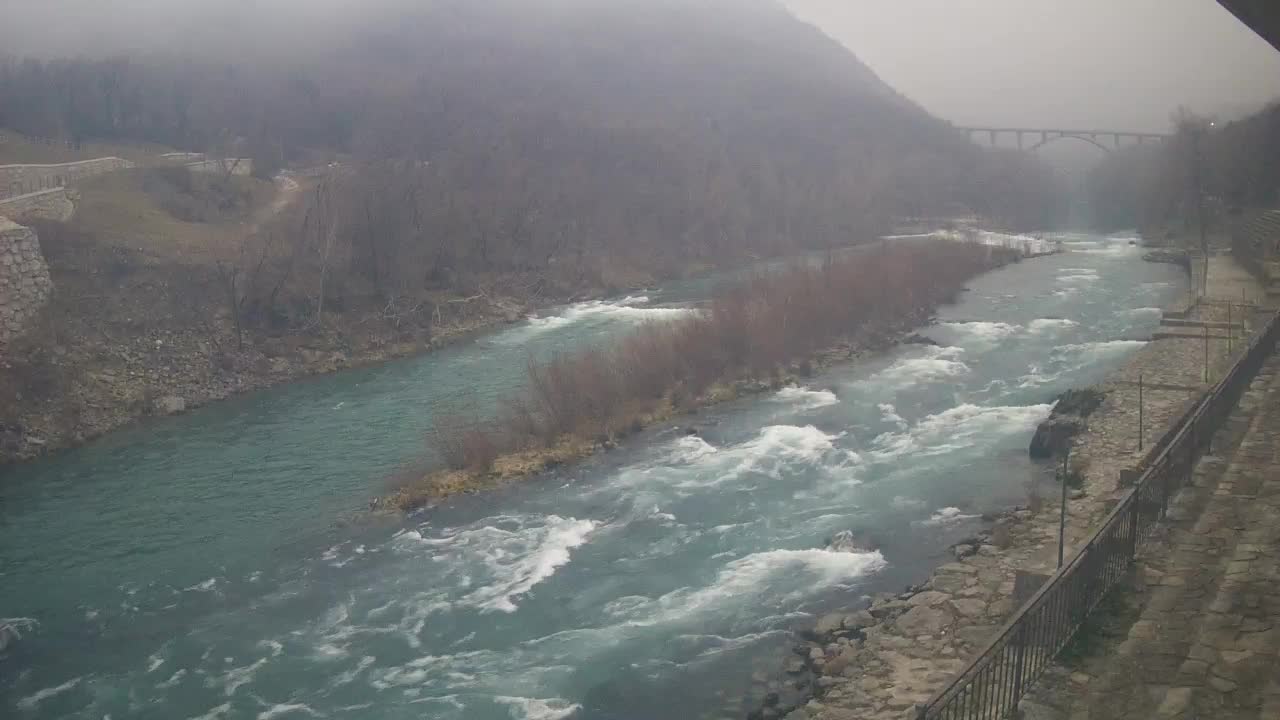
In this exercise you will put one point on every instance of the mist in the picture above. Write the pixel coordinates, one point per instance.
(1042, 63)
(1035, 63)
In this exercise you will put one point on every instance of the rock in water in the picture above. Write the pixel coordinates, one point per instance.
(847, 541)
(918, 339)
(1054, 436)
(9, 635)
(1081, 403)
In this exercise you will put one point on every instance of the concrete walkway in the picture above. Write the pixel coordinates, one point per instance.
(1198, 637)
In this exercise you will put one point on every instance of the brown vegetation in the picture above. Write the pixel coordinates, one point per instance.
(753, 329)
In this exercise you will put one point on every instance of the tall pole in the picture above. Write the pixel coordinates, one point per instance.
(1140, 413)
(1198, 169)
(1231, 329)
(1062, 515)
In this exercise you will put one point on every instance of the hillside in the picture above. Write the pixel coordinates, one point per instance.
(462, 161)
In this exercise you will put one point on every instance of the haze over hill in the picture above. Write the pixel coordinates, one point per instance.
(660, 102)
(462, 161)
(1088, 63)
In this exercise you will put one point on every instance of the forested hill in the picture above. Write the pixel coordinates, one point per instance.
(704, 128)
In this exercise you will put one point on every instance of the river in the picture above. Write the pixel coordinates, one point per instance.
(212, 565)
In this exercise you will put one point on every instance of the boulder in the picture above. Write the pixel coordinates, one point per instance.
(847, 541)
(918, 339)
(1068, 419)
(925, 620)
(170, 405)
(1054, 436)
(928, 597)
(828, 624)
(859, 620)
(1081, 403)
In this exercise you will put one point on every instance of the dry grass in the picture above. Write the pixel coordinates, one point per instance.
(120, 210)
(752, 329)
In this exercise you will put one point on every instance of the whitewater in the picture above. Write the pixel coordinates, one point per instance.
(218, 565)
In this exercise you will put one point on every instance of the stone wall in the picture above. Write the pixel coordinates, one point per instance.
(24, 278)
(52, 204)
(25, 179)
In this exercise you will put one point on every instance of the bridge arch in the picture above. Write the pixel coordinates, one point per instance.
(1093, 136)
(1083, 138)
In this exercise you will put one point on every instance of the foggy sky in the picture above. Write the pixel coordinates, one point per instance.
(1114, 64)
(1120, 64)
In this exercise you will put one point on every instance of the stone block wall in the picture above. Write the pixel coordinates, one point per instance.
(24, 278)
(25, 179)
(53, 204)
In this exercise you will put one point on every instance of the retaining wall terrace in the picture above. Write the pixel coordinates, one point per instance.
(24, 278)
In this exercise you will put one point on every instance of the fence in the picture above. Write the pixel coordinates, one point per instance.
(994, 682)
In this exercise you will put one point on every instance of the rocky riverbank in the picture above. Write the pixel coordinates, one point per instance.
(70, 386)
(879, 661)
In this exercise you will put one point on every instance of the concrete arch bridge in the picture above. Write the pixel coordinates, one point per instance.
(1032, 139)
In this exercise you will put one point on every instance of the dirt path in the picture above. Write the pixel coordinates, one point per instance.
(287, 191)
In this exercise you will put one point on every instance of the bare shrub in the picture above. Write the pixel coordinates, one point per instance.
(755, 327)
(465, 445)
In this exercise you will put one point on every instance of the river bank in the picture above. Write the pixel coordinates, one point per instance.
(654, 579)
(99, 384)
(746, 342)
(878, 661)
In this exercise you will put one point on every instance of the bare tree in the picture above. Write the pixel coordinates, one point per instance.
(1191, 133)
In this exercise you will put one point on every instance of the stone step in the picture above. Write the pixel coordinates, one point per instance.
(1182, 322)
(1189, 334)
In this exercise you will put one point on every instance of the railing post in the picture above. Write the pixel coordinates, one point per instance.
(1164, 491)
(1191, 454)
(1134, 515)
(1019, 661)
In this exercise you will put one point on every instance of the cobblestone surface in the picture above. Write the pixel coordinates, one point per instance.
(1203, 638)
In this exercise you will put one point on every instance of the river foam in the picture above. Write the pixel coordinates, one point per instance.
(633, 309)
(513, 553)
(806, 398)
(788, 573)
(932, 364)
(955, 429)
(523, 708)
(985, 333)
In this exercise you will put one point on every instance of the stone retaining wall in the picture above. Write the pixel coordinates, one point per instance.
(52, 204)
(25, 179)
(24, 278)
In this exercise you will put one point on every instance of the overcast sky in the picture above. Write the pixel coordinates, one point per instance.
(1112, 64)
(1082, 63)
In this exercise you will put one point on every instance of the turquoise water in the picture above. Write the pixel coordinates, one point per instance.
(213, 565)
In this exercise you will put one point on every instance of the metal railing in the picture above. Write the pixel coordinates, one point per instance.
(997, 678)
